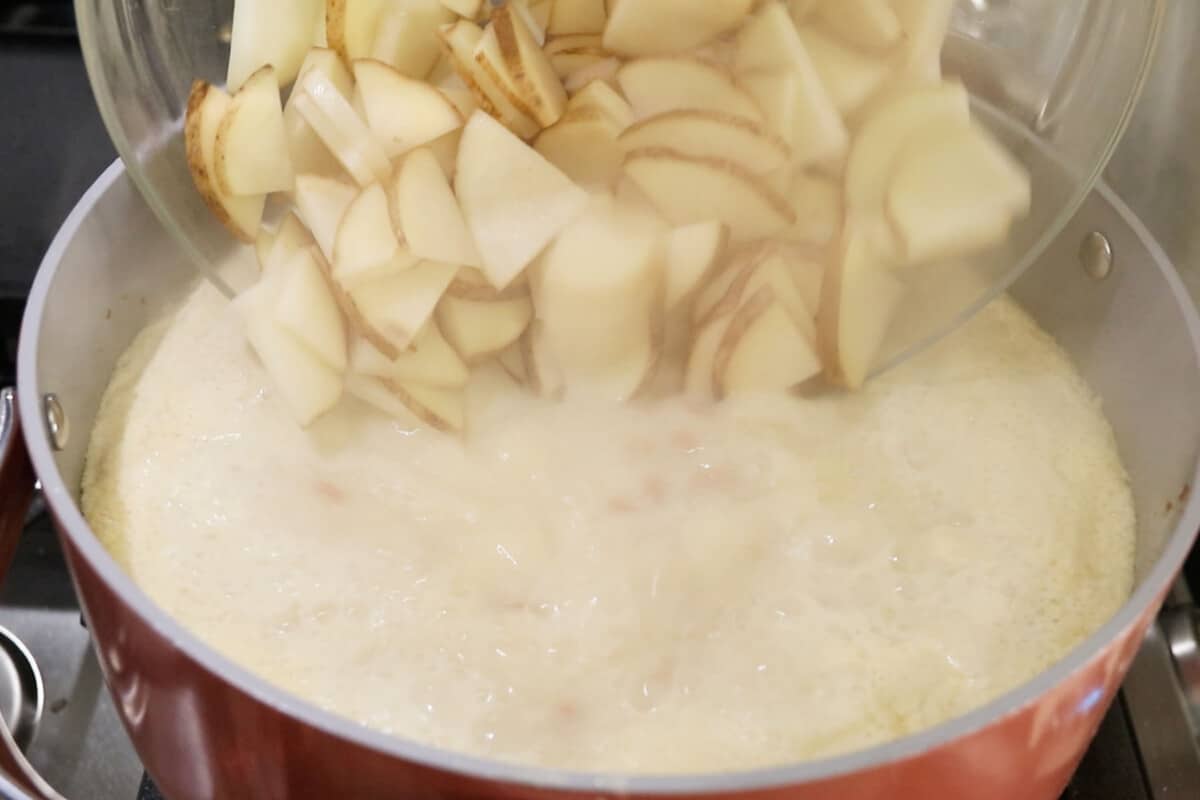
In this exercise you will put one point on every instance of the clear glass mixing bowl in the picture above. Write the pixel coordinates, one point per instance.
(1054, 79)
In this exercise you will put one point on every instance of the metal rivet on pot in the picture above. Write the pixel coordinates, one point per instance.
(56, 421)
(1096, 255)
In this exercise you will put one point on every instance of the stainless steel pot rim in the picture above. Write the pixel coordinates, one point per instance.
(61, 499)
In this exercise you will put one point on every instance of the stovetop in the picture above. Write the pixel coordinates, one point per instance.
(55, 145)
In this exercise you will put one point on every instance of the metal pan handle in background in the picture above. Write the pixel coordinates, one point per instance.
(18, 778)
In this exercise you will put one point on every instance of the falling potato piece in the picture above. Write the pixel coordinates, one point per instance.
(577, 16)
(306, 308)
(260, 36)
(262, 247)
(687, 189)
(657, 85)
(432, 223)
(603, 70)
(431, 361)
(859, 300)
(339, 126)
(870, 24)
(881, 139)
(206, 108)
(527, 67)
(308, 387)
(659, 27)
(374, 392)
(817, 202)
(440, 408)
(692, 254)
(478, 329)
(924, 24)
(515, 202)
(464, 8)
(851, 76)
(351, 25)
(711, 134)
(460, 43)
(406, 35)
(321, 203)
(955, 192)
(310, 155)
(604, 97)
(583, 144)
(701, 362)
(392, 309)
(251, 150)
(777, 70)
(586, 44)
(365, 240)
(763, 349)
(402, 112)
(290, 236)
(597, 291)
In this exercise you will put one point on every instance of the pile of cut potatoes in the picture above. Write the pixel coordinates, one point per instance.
(611, 198)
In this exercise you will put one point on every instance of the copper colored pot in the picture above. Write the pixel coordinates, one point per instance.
(205, 728)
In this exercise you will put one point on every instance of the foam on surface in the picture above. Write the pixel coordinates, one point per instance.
(680, 588)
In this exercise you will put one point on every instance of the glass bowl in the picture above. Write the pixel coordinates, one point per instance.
(1056, 80)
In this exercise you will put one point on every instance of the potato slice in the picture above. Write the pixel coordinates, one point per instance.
(657, 85)
(339, 126)
(883, 137)
(686, 189)
(290, 236)
(527, 67)
(954, 193)
(583, 144)
(701, 362)
(431, 361)
(431, 220)
(260, 35)
(777, 70)
(407, 33)
(251, 150)
(603, 96)
(859, 300)
(307, 386)
(351, 25)
(579, 44)
(262, 247)
(307, 309)
(460, 43)
(711, 134)
(440, 408)
(870, 24)
(365, 240)
(206, 108)
(763, 349)
(851, 76)
(402, 112)
(597, 292)
(514, 201)
(464, 8)
(603, 70)
(692, 255)
(309, 154)
(925, 24)
(479, 329)
(659, 27)
(577, 16)
(817, 202)
(321, 203)
(392, 309)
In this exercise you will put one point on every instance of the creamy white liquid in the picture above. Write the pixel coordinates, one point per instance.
(647, 589)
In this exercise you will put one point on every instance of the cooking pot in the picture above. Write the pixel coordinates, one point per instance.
(206, 728)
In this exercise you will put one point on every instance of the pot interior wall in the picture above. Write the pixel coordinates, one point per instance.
(1131, 335)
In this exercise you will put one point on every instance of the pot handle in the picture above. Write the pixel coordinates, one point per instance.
(16, 492)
